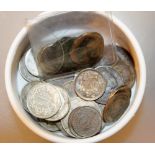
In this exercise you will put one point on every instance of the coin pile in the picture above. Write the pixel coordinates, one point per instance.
(82, 103)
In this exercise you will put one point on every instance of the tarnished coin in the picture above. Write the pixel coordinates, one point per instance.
(51, 58)
(43, 100)
(117, 104)
(30, 63)
(65, 106)
(69, 87)
(112, 82)
(24, 92)
(24, 71)
(126, 73)
(76, 102)
(90, 84)
(85, 121)
(109, 57)
(87, 48)
(50, 126)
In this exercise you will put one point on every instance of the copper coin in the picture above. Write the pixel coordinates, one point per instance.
(117, 104)
(87, 48)
(125, 71)
(85, 121)
(90, 84)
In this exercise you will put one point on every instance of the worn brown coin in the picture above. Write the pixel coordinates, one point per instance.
(51, 58)
(90, 84)
(50, 126)
(87, 48)
(125, 71)
(24, 71)
(85, 121)
(24, 92)
(117, 104)
(113, 82)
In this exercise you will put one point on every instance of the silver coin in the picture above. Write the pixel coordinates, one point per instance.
(65, 106)
(50, 126)
(76, 102)
(24, 71)
(112, 82)
(69, 87)
(43, 100)
(30, 63)
(24, 92)
(85, 121)
(90, 84)
(59, 125)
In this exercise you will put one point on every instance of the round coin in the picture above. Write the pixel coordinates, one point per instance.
(117, 104)
(76, 102)
(85, 121)
(90, 84)
(50, 126)
(24, 71)
(24, 92)
(43, 100)
(65, 106)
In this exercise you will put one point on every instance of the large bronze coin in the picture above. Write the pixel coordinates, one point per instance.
(85, 121)
(90, 84)
(87, 48)
(117, 104)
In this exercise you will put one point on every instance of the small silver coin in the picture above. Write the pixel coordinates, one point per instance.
(50, 126)
(85, 121)
(24, 71)
(65, 106)
(76, 102)
(30, 63)
(43, 100)
(69, 87)
(90, 84)
(24, 92)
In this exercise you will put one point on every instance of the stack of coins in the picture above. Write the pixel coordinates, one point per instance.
(82, 103)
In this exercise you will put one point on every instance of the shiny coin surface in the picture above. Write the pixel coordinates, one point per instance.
(43, 100)
(76, 102)
(125, 72)
(30, 63)
(65, 106)
(24, 71)
(69, 87)
(24, 92)
(117, 104)
(112, 82)
(50, 126)
(85, 121)
(90, 84)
